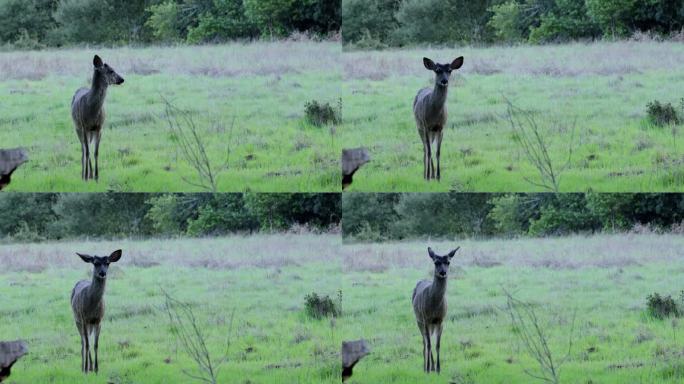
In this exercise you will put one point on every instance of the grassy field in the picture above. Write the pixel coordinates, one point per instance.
(247, 99)
(599, 89)
(604, 280)
(262, 280)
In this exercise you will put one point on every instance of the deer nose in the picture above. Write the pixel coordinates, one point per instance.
(103, 274)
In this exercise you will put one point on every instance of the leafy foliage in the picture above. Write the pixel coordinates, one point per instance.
(662, 114)
(34, 217)
(401, 216)
(36, 23)
(536, 21)
(661, 307)
(318, 307)
(320, 114)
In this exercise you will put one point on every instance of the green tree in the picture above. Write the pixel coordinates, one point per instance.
(612, 16)
(101, 215)
(444, 21)
(26, 21)
(281, 17)
(101, 21)
(28, 214)
(368, 216)
(369, 19)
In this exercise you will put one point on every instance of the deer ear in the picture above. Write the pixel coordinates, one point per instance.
(86, 258)
(452, 253)
(429, 64)
(431, 253)
(115, 256)
(458, 63)
(97, 62)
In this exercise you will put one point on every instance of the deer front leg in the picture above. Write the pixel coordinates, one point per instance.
(97, 327)
(97, 137)
(428, 355)
(83, 356)
(439, 337)
(428, 165)
(86, 156)
(439, 151)
(86, 352)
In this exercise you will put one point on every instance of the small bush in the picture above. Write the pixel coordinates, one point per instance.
(661, 307)
(319, 307)
(320, 114)
(662, 114)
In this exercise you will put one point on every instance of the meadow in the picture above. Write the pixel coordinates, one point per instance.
(255, 283)
(599, 281)
(247, 100)
(586, 97)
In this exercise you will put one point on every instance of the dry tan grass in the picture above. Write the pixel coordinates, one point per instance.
(235, 59)
(568, 60)
(260, 251)
(575, 252)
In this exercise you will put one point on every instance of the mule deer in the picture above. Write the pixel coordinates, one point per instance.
(352, 160)
(10, 160)
(10, 352)
(87, 111)
(87, 303)
(430, 307)
(430, 111)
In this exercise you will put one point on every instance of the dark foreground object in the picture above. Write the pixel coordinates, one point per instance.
(352, 352)
(352, 160)
(10, 160)
(10, 352)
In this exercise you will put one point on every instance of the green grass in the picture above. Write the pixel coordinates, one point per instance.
(601, 89)
(261, 87)
(603, 279)
(262, 280)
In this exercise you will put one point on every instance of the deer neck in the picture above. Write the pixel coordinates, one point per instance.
(98, 92)
(438, 98)
(95, 292)
(438, 290)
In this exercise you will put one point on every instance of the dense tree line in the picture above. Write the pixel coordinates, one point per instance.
(378, 23)
(37, 23)
(399, 216)
(35, 217)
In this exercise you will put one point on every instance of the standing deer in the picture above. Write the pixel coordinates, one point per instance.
(430, 111)
(87, 111)
(430, 307)
(87, 302)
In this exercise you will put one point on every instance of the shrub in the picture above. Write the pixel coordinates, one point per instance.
(320, 114)
(661, 307)
(661, 114)
(318, 307)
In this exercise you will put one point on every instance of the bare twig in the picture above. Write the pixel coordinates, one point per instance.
(535, 144)
(193, 339)
(190, 142)
(534, 339)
